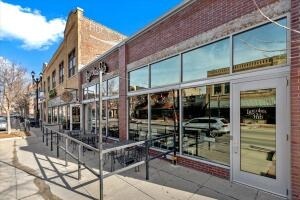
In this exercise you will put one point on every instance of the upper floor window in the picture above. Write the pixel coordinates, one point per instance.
(54, 79)
(48, 83)
(139, 79)
(113, 86)
(207, 61)
(165, 72)
(71, 63)
(44, 86)
(263, 46)
(61, 72)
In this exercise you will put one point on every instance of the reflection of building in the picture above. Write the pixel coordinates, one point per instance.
(83, 40)
(265, 62)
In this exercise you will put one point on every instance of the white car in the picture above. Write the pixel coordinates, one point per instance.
(3, 124)
(212, 126)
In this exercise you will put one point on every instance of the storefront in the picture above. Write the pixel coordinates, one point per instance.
(65, 111)
(224, 92)
(110, 108)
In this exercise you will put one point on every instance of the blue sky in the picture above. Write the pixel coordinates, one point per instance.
(31, 30)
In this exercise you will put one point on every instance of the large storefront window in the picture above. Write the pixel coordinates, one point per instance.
(139, 79)
(49, 115)
(75, 117)
(207, 61)
(113, 86)
(164, 117)
(90, 113)
(205, 126)
(138, 117)
(260, 47)
(165, 72)
(54, 115)
(113, 118)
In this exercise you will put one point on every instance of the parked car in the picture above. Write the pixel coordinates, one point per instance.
(3, 124)
(32, 122)
(212, 127)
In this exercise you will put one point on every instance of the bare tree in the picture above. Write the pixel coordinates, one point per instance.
(12, 82)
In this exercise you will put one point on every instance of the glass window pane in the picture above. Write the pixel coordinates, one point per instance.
(139, 79)
(205, 123)
(138, 117)
(164, 118)
(165, 72)
(260, 47)
(258, 132)
(113, 118)
(207, 61)
(113, 86)
(91, 92)
(90, 120)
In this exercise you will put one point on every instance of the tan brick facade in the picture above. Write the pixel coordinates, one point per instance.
(88, 39)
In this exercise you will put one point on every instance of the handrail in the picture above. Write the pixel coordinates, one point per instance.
(145, 144)
(75, 140)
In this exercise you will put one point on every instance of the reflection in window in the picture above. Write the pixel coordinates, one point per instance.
(54, 114)
(260, 47)
(139, 79)
(165, 72)
(205, 124)
(258, 132)
(207, 61)
(164, 118)
(103, 119)
(104, 89)
(91, 92)
(76, 117)
(90, 114)
(138, 117)
(49, 115)
(113, 86)
(113, 118)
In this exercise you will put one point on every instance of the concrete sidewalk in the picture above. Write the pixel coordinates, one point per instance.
(29, 170)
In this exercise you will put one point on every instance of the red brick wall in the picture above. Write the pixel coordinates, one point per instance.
(197, 165)
(123, 93)
(197, 18)
(111, 60)
(295, 98)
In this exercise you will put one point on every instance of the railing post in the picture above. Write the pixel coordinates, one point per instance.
(43, 131)
(51, 140)
(79, 164)
(147, 159)
(46, 136)
(57, 145)
(174, 148)
(66, 151)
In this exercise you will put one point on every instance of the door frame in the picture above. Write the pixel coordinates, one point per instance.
(286, 125)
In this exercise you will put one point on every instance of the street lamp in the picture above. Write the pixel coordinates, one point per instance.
(36, 81)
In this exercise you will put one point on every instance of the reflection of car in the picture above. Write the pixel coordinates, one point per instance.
(3, 124)
(212, 127)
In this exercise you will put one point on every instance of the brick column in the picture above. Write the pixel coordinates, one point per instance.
(122, 93)
(295, 99)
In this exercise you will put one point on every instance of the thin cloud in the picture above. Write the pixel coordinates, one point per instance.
(29, 26)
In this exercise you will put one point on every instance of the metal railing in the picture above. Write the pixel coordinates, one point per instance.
(128, 154)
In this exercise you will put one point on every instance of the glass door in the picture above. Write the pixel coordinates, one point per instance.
(260, 146)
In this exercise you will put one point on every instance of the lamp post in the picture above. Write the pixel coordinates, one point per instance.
(36, 81)
(102, 68)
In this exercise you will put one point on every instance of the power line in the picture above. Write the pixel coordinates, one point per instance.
(268, 18)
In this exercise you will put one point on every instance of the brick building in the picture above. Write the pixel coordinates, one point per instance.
(224, 75)
(83, 40)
